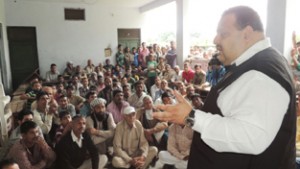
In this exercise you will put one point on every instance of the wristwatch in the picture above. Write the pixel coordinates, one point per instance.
(190, 119)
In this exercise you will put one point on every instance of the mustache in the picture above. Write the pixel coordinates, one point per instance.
(81, 128)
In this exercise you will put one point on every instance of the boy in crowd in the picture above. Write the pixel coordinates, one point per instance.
(64, 127)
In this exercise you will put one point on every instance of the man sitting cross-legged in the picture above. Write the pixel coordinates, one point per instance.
(154, 129)
(31, 151)
(131, 148)
(24, 115)
(101, 126)
(179, 143)
(76, 149)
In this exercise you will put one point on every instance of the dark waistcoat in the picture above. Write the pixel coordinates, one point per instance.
(281, 153)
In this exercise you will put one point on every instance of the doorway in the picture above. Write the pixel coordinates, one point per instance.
(23, 53)
(129, 37)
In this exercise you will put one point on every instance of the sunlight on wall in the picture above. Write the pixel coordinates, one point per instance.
(160, 24)
(297, 22)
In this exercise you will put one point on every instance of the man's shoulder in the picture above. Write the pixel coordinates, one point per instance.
(15, 134)
(131, 96)
(125, 103)
(138, 123)
(17, 147)
(86, 135)
(121, 124)
(36, 114)
(65, 139)
(76, 97)
(89, 118)
(70, 106)
(120, 127)
(110, 105)
(172, 126)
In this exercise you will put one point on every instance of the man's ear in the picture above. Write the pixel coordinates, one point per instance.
(248, 30)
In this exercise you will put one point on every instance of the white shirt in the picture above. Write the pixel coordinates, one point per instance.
(51, 77)
(253, 107)
(177, 77)
(75, 139)
(154, 88)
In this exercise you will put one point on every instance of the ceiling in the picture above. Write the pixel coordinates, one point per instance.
(128, 3)
(125, 3)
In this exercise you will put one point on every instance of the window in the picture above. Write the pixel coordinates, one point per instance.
(74, 14)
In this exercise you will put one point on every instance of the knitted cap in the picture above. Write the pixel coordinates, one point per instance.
(97, 101)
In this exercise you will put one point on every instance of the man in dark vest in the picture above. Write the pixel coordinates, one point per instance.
(248, 118)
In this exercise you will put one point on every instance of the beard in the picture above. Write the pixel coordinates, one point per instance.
(100, 116)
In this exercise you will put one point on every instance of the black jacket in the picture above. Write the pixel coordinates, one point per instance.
(70, 156)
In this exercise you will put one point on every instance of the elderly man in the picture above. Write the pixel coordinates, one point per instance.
(74, 148)
(69, 70)
(117, 105)
(154, 129)
(233, 129)
(130, 145)
(31, 151)
(163, 88)
(101, 126)
(178, 74)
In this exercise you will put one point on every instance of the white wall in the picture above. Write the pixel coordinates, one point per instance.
(282, 16)
(60, 41)
(5, 67)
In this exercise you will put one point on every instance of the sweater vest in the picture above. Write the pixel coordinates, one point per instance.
(281, 152)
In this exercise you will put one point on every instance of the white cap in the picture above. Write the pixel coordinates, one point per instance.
(128, 110)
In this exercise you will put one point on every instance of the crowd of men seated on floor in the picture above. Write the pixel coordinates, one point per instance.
(86, 118)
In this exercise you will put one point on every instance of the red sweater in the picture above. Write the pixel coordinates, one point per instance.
(188, 75)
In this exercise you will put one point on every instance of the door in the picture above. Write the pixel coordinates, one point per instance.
(23, 53)
(2, 57)
(129, 37)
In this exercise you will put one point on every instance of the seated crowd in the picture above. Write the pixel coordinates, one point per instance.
(102, 115)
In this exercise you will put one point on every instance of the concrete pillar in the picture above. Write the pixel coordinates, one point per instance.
(281, 18)
(182, 35)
